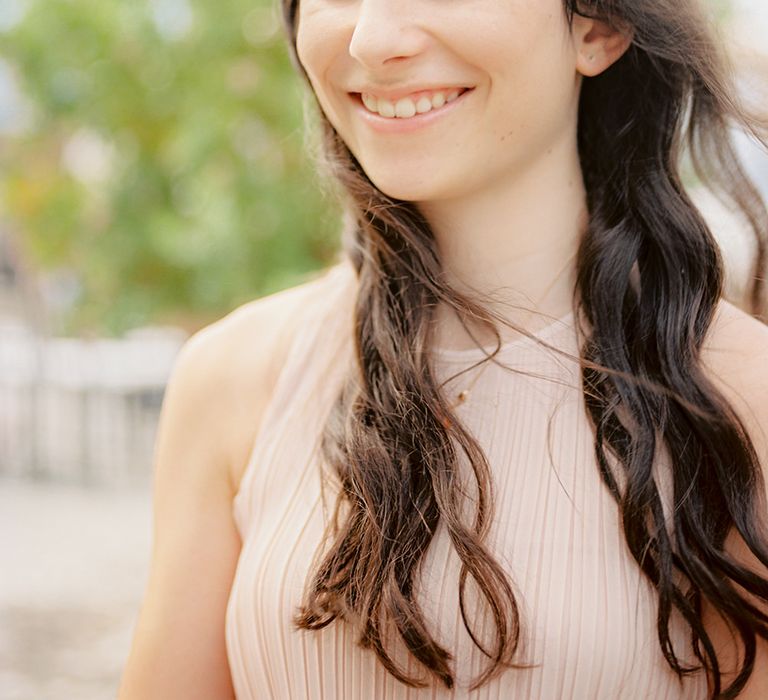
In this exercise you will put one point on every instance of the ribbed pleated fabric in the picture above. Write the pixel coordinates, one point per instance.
(588, 615)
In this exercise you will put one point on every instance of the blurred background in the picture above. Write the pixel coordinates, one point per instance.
(153, 176)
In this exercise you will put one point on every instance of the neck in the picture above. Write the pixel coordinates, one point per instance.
(517, 241)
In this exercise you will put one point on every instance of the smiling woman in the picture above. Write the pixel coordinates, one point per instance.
(520, 59)
(513, 444)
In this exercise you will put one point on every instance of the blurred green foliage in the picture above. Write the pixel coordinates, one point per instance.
(164, 159)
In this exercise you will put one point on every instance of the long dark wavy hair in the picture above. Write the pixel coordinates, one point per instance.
(649, 277)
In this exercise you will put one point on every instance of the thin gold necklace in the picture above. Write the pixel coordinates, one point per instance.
(462, 396)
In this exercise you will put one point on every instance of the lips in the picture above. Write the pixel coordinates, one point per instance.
(397, 125)
(414, 96)
(414, 93)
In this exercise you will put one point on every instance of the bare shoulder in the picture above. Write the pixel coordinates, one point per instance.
(233, 364)
(735, 356)
(735, 352)
(220, 383)
(732, 325)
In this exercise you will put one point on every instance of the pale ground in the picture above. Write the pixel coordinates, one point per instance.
(73, 566)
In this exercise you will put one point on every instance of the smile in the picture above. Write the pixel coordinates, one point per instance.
(407, 114)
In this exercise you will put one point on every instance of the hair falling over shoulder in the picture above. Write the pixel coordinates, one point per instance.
(394, 444)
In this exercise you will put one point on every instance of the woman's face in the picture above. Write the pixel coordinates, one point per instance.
(516, 55)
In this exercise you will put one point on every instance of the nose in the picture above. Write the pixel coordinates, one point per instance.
(385, 31)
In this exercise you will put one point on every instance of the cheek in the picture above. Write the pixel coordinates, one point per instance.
(318, 47)
(308, 48)
(521, 41)
(531, 74)
(319, 38)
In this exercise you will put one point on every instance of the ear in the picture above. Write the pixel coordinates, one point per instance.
(598, 45)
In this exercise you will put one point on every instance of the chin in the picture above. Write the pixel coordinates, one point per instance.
(410, 189)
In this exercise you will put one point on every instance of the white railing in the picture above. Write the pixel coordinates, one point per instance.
(82, 411)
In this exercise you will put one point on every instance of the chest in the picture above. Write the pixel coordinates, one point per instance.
(588, 616)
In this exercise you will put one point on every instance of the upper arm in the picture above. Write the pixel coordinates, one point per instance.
(179, 646)
(736, 355)
(219, 388)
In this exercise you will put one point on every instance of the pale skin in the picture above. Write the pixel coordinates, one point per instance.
(499, 180)
(485, 180)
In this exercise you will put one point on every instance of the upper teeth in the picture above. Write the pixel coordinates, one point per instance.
(406, 106)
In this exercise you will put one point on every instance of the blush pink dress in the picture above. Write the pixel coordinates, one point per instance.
(588, 614)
